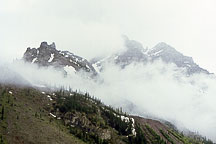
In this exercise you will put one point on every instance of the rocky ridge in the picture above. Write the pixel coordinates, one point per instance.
(135, 52)
(48, 55)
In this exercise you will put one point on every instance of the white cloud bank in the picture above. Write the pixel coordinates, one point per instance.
(157, 89)
(91, 28)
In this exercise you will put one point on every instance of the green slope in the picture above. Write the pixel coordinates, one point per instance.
(63, 117)
(26, 119)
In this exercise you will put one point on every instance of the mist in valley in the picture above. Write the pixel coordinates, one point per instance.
(93, 29)
(156, 90)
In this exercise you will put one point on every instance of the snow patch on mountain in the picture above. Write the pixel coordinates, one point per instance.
(96, 68)
(51, 58)
(70, 70)
(157, 53)
(34, 60)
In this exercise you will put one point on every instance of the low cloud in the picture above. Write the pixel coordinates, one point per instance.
(157, 89)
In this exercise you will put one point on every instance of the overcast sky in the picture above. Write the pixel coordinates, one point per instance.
(94, 27)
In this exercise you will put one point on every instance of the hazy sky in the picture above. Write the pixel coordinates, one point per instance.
(93, 27)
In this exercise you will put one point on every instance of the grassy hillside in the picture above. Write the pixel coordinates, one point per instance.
(64, 117)
(26, 119)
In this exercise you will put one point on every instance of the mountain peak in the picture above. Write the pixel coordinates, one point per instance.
(132, 44)
(48, 55)
(45, 45)
(136, 53)
(164, 46)
(53, 45)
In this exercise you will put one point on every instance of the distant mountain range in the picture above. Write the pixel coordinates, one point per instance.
(136, 53)
(48, 55)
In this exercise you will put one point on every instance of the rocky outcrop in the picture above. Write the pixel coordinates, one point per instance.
(135, 52)
(170, 55)
(48, 55)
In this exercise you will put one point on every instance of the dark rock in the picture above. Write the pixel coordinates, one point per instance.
(136, 53)
(48, 55)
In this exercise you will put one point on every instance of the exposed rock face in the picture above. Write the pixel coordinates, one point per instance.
(169, 55)
(48, 55)
(136, 53)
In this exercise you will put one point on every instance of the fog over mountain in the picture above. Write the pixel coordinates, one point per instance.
(154, 88)
(90, 28)
(155, 59)
(135, 52)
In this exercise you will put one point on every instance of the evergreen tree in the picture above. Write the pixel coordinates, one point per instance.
(2, 116)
